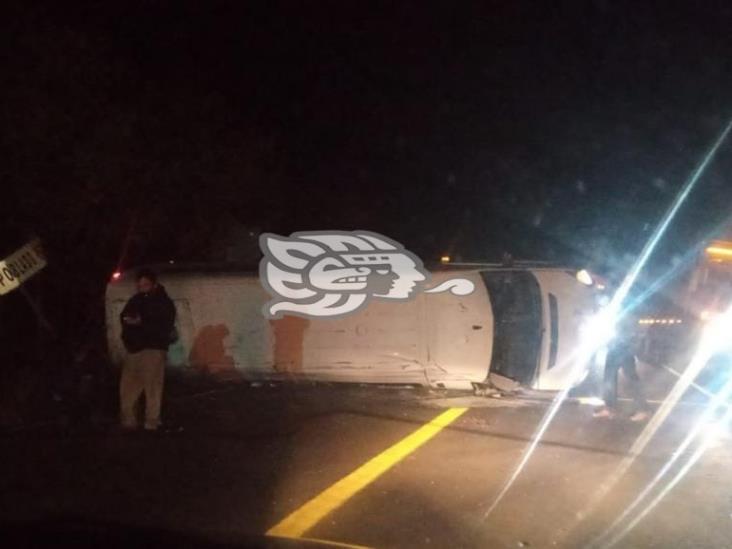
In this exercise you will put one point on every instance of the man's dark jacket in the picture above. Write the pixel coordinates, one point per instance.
(156, 331)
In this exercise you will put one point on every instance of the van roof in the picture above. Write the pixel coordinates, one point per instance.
(241, 269)
(168, 269)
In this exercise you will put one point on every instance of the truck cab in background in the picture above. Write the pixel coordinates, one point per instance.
(671, 321)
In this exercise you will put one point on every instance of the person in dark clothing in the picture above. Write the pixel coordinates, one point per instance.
(148, 327)
(621, 356)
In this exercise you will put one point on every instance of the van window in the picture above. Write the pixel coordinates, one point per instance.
(516, 302)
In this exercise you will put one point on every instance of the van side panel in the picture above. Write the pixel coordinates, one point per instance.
(433, 338)
(381, 343)
(219, 320)
(230, 331)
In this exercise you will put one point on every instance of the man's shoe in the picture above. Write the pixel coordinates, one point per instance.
(639, 417)
(604, 413)
(152, 425)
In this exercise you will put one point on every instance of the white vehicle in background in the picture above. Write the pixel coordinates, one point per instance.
(522, 323)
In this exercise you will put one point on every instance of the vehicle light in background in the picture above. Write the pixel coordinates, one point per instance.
(660, 321)
(719, 251)
(116, 275)
(445, 259)
(706, 315)
(584, 277)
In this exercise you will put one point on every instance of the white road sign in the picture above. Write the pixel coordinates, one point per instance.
(20, 266)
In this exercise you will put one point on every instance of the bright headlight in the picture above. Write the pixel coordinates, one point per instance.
(585, 278)
(598, 330)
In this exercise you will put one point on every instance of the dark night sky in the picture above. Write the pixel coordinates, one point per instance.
(556, 132)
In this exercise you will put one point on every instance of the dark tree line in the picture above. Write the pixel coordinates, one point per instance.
(147, 131)
(110, 171)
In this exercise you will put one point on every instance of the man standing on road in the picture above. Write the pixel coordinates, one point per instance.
(621, 356)
(148, 323)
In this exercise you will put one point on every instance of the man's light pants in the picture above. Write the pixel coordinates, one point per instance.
(142, 372)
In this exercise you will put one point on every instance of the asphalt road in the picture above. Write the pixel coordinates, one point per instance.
(250, 459)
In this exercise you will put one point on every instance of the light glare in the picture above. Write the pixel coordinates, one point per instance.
(585, 278)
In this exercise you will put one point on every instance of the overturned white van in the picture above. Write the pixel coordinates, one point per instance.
(520, 323)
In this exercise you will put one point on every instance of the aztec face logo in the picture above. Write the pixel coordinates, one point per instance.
(333, 273)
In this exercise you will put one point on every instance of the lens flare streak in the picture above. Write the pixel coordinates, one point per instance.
(713, 338)
(581, 357)
(672, 483)
(613, 310)
(701, 424)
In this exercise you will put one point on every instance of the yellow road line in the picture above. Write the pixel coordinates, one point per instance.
(307, 516)
(324, 542)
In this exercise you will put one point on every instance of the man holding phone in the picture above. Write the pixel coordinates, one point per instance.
(148, 325)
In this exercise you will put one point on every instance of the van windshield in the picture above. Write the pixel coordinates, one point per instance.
(516, 302)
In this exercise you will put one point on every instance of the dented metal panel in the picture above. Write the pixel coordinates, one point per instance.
(379, 344)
